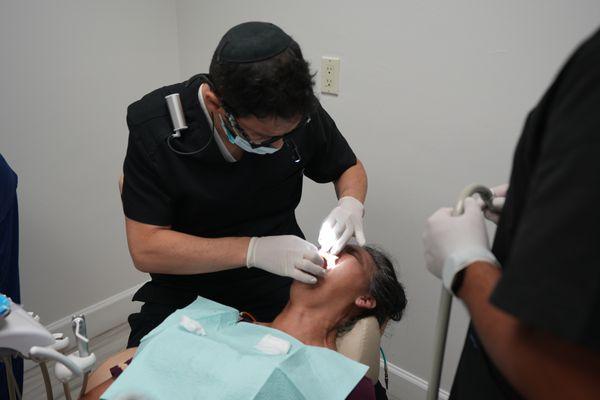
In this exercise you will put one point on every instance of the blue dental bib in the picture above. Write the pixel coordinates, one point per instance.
(173, 363)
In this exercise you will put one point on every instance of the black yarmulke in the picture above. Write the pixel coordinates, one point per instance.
(252, 42)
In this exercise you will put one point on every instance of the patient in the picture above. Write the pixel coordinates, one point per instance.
(362, 283)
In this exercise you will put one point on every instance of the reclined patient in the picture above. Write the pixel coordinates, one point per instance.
(215, 354)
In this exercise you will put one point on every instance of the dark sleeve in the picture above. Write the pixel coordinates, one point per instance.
(552, 275)
(145, 198)
(9, 233)
(8, 187)
(364, 390)
(332, 154)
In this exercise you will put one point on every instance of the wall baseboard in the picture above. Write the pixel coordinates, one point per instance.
(406, 385)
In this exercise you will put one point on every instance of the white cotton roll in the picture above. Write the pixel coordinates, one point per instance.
(191, 325)
(272, 345)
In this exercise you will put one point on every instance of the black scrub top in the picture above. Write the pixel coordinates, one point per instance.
(548, 238)
(205, 195)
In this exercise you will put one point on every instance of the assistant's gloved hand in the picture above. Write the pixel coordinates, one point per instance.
(342, 223)
(286, 255)
(498, 201)
(453, 243)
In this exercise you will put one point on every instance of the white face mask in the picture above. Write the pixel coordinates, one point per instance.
(243, 143)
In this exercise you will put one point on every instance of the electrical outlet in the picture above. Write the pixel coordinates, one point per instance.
(330, 75)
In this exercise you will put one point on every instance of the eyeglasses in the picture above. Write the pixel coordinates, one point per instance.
(235, 126)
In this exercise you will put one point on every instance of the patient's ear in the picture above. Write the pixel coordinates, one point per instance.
(367, 302)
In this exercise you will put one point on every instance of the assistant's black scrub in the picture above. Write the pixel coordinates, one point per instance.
(206, 196)
(548, 239)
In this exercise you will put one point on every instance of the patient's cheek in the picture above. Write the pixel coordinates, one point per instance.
(345, 266)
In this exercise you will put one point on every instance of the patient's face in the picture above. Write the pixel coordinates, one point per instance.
(348, 279)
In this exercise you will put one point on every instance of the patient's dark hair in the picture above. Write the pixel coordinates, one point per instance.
(281, 86)
(385, 288)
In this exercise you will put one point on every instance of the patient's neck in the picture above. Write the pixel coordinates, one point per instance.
(315, 326)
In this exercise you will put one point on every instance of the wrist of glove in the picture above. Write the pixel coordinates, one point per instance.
(352, 205)
(286, 255)
(461, 259)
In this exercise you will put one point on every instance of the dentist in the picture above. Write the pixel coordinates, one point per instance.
(210, 212)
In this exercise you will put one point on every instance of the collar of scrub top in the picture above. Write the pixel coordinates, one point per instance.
(196, 119)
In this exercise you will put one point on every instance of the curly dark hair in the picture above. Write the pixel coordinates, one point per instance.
(281, 86)
(385, 288)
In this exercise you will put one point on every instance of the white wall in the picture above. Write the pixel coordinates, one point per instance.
(69, 70)
(433, 96)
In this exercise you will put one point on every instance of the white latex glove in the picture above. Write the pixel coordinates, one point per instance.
(343, 222)
(498, 201)
(286, 255)
(453, 243)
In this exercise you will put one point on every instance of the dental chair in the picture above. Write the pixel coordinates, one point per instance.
(361, 343)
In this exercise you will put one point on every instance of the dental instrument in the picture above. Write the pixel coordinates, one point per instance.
(176, 113)
(83, 358)
(179, 124)
(21, 335)
(441, 329)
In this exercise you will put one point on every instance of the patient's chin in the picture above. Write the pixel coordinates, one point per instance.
(304, 287)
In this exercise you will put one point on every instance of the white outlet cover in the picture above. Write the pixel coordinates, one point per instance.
(330, 75)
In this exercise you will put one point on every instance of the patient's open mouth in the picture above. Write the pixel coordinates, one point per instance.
(330, 260)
